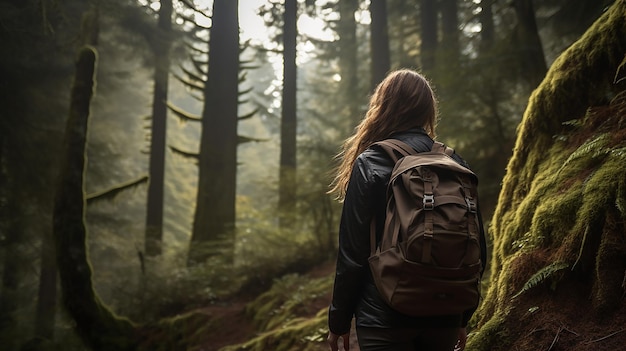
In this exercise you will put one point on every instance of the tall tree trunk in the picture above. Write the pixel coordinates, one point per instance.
(379, 45)
(214, 219)
(154, 215)
(487, 32)
(448, 73)
(532, 60)
(287, 177)
(47, 295)
(428, 19)
(96, 325)
(450, 32)
(348, 63)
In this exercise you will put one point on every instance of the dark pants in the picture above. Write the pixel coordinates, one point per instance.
(407, 339)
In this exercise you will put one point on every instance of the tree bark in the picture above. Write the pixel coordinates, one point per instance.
(214, 218)
(154, 214)
(287, 177)
(379, 45)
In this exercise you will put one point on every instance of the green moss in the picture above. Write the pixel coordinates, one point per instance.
(288, 298)
(492, 334)
(281, 315)
(300, 334)
(563, 197)
(565, 94)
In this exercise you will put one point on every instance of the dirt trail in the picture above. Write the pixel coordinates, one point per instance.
(235, 327)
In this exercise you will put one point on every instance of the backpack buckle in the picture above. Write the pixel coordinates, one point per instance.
(471, 205)
(429, 202)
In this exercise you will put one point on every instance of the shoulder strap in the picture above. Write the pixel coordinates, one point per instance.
(395, 148)
(442, 148)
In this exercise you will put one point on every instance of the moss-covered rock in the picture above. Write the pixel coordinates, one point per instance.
(559, 223)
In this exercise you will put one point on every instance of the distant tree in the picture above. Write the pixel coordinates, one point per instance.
(450, 34)
(214, 218)
(531, 58)
(379, 44)
(429, 22)
(160, 47)
(348, 59)
(487, 27)
(288, 129)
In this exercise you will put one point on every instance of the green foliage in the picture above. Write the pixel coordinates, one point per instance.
(492, 334)
(290, 296)
(301, 334)
(591, 149)
(280, 314)
(542, 275)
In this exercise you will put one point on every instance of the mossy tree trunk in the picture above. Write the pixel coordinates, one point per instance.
(97, 326)
(95, 323)
(560, 215)
(47, 297)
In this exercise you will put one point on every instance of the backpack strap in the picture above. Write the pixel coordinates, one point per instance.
(442, 148)
(395, 148)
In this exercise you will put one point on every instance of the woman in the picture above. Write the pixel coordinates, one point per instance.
(402, 107)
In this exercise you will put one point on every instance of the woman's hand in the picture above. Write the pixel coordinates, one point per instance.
(333, 341)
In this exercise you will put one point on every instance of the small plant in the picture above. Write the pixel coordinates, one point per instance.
(542, 275)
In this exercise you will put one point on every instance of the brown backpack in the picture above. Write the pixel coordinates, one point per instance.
(428, 261)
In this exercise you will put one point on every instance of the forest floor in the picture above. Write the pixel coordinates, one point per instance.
(562, 320)
(235, 327)
(565, 320)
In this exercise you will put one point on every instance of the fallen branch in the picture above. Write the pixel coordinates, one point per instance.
(556, 338)
(606, 337)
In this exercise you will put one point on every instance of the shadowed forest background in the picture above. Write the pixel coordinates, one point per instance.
(164, 165)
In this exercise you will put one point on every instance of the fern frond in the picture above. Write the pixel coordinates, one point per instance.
(542, 275)
(573, 123)
(621, 152)
(594, 148)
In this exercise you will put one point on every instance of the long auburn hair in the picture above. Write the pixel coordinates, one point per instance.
(402, 101)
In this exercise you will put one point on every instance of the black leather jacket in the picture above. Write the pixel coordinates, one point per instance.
(354, 292)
